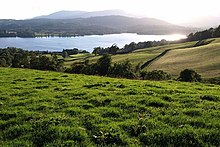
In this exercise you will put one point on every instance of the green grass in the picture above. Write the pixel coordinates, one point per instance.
(204, 59)
(144, 55)
(172, 58)
(136, 57)
(76, 58)
(41, 108)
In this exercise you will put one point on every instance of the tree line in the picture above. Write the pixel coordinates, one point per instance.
(19, 58)
(114, 49)
(105, 67)
(210, 33)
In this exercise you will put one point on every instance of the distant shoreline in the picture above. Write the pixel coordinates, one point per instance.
(77, 35)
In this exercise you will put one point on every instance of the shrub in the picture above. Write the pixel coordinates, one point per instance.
(189, 75)
(156, 75)
(122, 70)
(104, 64)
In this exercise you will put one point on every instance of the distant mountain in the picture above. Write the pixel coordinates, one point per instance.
(93, 23)
(62, 15)
(82, 14)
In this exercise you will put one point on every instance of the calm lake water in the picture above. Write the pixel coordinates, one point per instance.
(82, 42)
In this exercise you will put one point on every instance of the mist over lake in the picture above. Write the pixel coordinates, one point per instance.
(82, 42)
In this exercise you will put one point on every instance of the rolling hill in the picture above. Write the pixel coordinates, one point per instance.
(172, 58)
(204, 59)
(41, 108)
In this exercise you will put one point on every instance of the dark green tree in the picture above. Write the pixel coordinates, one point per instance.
(156, 75)
(122, 70)
(103, 65)
(65, 54)
(113, 49)
(3, 62)
(96, 50)
(189, 75)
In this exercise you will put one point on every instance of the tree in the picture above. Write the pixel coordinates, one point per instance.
(156, 75)
(3, 62)
(96, 50)
(104, 64)
(77, 68)
(16, 62)
(113, 49)
(189, 75)
(122, 70)
(56, 64)
(65, 54)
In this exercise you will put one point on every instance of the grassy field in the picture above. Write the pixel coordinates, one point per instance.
(136, 57)
(41, 108)
(204, 59)
(76, 58)
(172, 58)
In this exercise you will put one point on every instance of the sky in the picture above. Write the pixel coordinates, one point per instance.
(174, 11)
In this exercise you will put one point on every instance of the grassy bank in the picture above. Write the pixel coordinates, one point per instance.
(40, 108)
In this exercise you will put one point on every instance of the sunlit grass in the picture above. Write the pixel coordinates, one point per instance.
(41, 108)
(204, 59)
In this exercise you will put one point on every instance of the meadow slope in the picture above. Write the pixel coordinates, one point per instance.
(173, 58)
(138, 56)
(41, 108)
(204, 59)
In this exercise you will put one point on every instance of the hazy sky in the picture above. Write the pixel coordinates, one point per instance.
(175, 11)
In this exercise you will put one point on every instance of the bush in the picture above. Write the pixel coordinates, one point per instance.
(189, 75)
(156, 75)
(104, 64)
(122, 70)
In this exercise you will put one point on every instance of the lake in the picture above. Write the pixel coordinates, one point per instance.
(82, 42)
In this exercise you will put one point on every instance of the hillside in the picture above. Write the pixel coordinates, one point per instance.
(136, 57)
(172, 58)
(204, 59)
(41, 108)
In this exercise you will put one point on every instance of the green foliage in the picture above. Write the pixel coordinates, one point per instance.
(65, 54)
(189, 75)
(19, 58)
(122, 70)
(213, 80)
(46, 63)
(103, 65)
(76, 68)
(210, 33)
(140, 45)
(156, 75)
(3, 62)
(109, 50)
